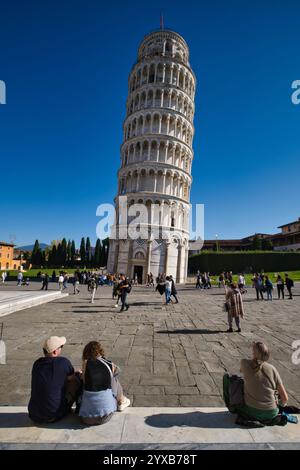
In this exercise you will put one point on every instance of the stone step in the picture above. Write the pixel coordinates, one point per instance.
(13, 301)
(144, 427)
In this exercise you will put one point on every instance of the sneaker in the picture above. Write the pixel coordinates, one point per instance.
(116, 306)
(127, 308)
(124, 404)
(239, 330)
(230, 330)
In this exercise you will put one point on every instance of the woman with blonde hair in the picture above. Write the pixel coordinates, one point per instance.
(262, 386)
(102, 392)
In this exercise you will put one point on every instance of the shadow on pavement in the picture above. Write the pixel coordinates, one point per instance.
(217, 419)
(22, 420)
(191, 332)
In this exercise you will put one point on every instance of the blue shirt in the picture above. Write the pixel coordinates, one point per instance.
(48, 388)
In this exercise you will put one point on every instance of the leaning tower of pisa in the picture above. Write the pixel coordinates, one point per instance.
(156, 159)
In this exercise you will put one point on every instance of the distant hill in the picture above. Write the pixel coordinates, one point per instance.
(30, 247)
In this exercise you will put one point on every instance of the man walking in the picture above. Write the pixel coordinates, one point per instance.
(173, 290)
(92, 287)
(60, 281)
(168, 288)
(20, 278)
(289, 284)
(125, 288)
(76, 284)
(45, 282)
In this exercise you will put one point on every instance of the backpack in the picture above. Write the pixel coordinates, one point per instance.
(129, 288)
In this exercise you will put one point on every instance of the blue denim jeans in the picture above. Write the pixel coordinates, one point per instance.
(168, 295)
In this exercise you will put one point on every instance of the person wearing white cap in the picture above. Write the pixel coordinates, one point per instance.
(54, 385)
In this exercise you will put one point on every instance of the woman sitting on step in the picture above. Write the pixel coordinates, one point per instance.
(262, 385)
(102, 392)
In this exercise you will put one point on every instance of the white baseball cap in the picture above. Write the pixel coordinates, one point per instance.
(53, 343)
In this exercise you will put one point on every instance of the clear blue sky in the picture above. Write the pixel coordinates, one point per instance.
(66, 64)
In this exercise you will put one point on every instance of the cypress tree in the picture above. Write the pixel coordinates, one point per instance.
(64, 252)
(97, 259)
(82, 251)
(59, 257)
(73, 253)
(54, 262)
(69, 253)
(35, 258)
(88, 249)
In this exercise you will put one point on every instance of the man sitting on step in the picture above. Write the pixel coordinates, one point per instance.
(54, 384)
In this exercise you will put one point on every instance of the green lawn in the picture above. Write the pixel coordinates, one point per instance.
(32, 273)
(295, 275)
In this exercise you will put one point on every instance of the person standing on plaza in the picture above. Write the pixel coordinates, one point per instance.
(259, 286)
(3, 277)
(160, 287)
(234, 307)
(125, 288)
(168, 289)
(269, 288)
(20, 278)
(45, 282)
(92, 287)
(221, 280)
(198, 282)
(280, 286)
(60, 281)
(76, 284)
(116, 291)
(173, 290)
(289, 284)
(241, 284)
(65, 283)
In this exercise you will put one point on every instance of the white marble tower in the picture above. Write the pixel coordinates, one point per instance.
(156, 158)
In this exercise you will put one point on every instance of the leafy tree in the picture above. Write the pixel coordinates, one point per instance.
(267, 244)
(256, 243)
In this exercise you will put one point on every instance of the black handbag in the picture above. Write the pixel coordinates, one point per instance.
(236, 390)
